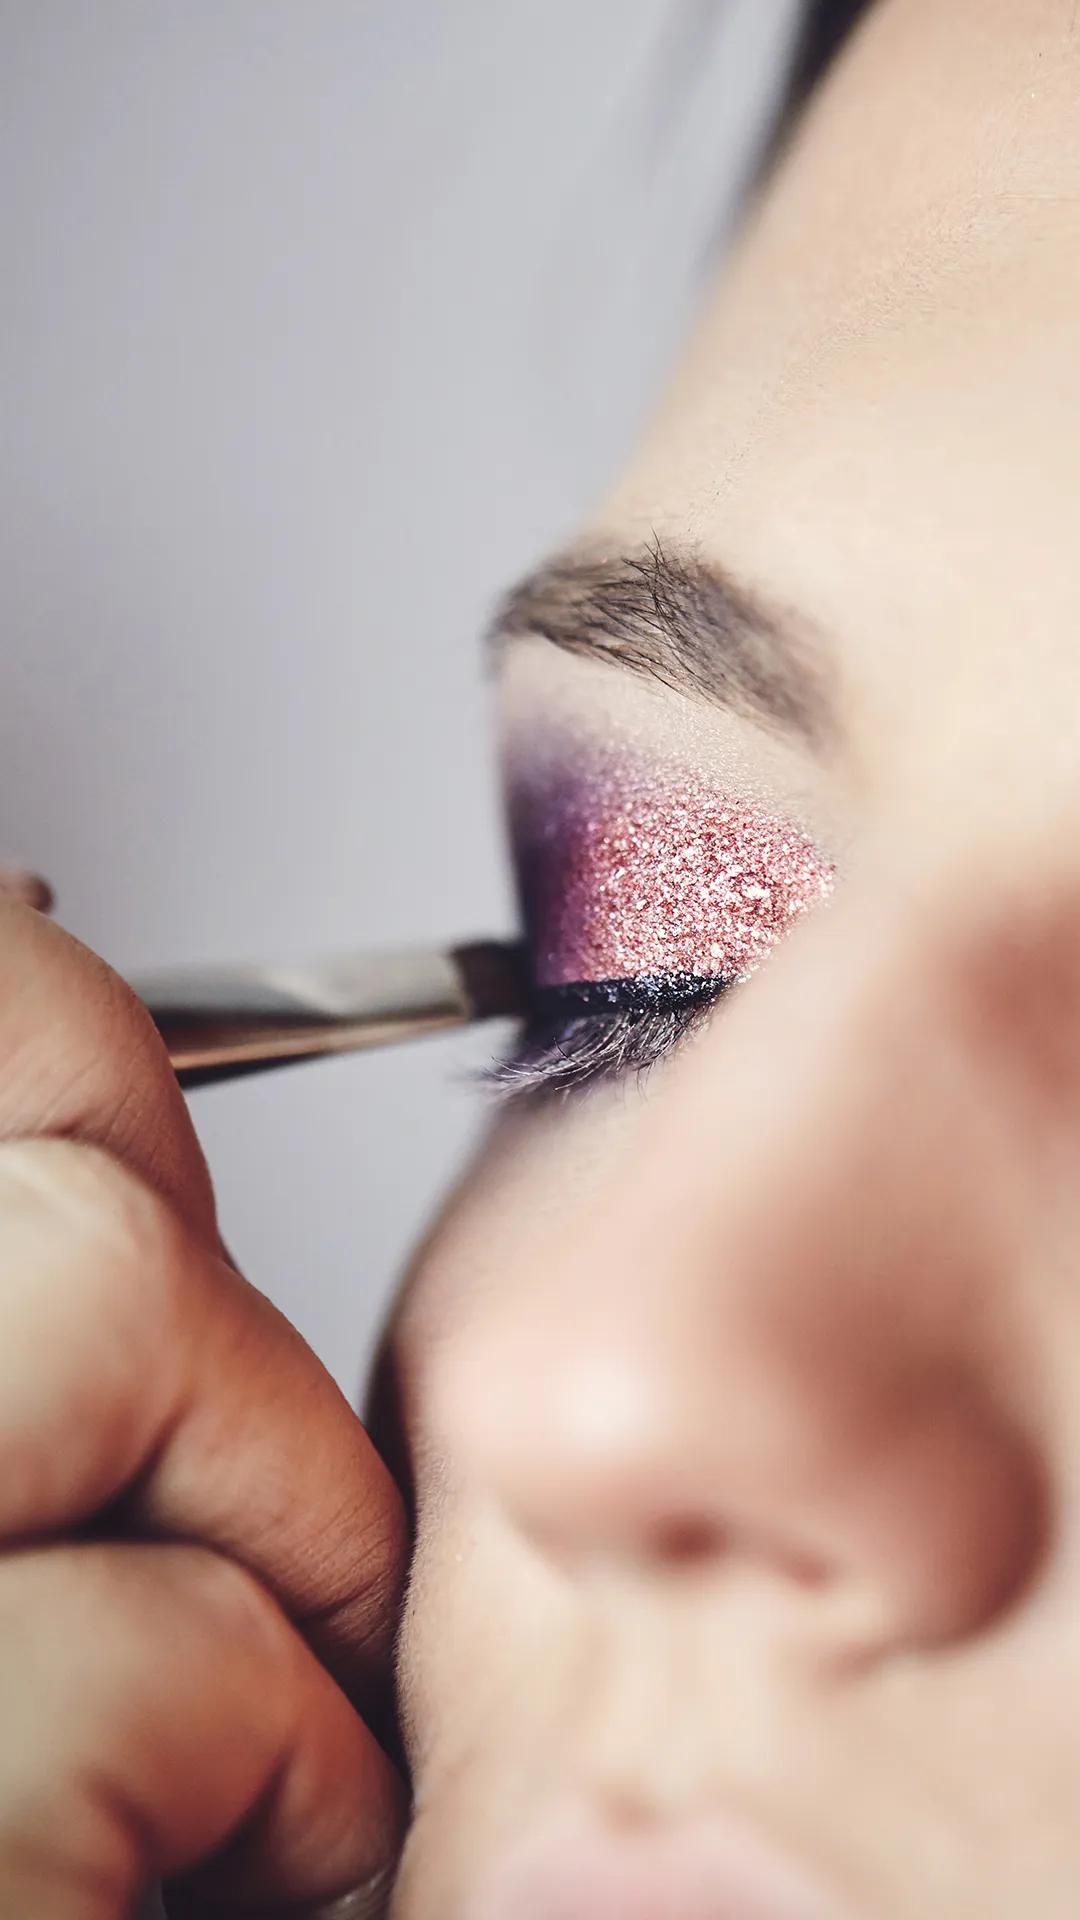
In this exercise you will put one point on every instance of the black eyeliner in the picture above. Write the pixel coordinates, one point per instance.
(635, 994)
(582, 1032)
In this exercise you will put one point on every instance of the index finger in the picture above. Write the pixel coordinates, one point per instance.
(136, 1366)
(80, 1058)
(142, 1379)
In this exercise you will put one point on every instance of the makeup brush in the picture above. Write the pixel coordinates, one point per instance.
(220, 1022)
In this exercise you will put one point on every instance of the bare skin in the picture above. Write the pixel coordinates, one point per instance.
(196, 1609)
(744, 1405)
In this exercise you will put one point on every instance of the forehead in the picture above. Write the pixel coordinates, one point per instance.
(877, 421)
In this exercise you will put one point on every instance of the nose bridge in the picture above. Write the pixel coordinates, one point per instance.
(815, 1200)
(768, 1336)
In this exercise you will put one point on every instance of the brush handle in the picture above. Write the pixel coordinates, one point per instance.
(220, 1023)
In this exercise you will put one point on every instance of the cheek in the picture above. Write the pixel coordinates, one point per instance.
(489, 1640)
(482, 1606)
(537, 1168)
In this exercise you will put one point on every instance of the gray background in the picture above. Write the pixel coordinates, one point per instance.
(320, 321)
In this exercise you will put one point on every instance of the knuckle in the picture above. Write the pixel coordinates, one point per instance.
(134, 1601)
(355, 1619)
(229, 1601)
(387, 1548)
(103, 1648)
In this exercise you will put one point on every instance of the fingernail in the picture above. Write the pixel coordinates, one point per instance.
(23, 885)
(369, 1902)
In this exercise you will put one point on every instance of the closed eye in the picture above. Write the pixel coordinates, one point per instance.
(593, 1030)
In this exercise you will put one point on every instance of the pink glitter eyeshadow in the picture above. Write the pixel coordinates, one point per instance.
(628, 872)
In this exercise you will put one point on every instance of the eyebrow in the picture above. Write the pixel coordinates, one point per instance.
(689, 625)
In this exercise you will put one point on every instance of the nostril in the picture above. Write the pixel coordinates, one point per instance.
(798, 1568)
(687, 1540)
(946, 1528)
(897, 1489)
(695, 1539)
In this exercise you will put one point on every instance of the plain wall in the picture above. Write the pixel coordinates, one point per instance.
(321, 319)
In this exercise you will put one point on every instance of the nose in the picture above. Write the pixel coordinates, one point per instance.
(778, 1328)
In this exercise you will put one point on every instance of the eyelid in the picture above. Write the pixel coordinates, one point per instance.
(562, 1049)
(640, 993)
(646, 893)
(625, 869)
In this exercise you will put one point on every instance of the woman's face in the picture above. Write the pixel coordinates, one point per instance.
(743, 1400)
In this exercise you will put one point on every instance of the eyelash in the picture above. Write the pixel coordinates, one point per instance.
(602, 1030)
